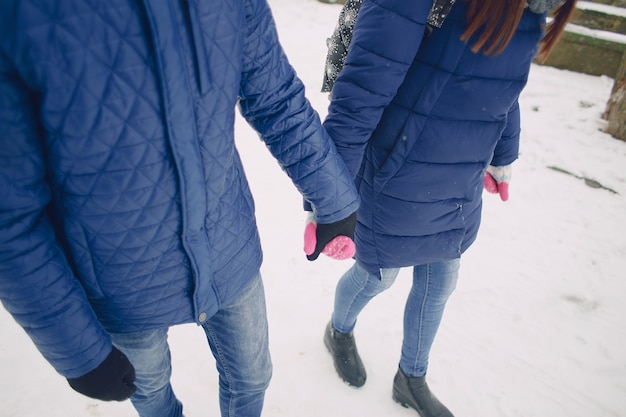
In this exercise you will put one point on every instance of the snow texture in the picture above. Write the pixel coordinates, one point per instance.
(536, 327)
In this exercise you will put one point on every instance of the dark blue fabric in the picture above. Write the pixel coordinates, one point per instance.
(417, 120)
(124, 202)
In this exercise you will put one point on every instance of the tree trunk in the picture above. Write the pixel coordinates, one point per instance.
(615, 112)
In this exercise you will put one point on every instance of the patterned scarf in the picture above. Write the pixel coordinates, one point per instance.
(340, 40)
(542, 6)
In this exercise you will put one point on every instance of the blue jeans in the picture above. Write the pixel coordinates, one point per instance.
(432, 285)
(238, 337)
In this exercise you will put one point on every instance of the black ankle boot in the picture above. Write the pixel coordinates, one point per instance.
(345, 356)
(414, 393)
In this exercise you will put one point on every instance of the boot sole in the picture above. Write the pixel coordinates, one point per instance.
(406, 400)
(397, 397)
(399, 400)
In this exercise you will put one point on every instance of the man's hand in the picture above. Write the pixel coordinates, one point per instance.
(112, 380)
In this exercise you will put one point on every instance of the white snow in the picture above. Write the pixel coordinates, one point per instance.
(596, 33)
(601, 8)
(536, 327)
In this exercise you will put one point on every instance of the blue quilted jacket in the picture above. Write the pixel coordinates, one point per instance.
(418, 119)
(124, 202)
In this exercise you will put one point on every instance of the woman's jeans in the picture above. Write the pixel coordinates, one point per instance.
(432, 285)
(238, 337)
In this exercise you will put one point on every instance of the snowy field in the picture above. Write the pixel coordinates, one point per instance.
(536, 327)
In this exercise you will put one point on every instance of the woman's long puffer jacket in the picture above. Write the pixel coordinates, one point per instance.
(418, 119)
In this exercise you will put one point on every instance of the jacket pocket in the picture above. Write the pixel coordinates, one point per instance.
(81, 256)
(404, 142)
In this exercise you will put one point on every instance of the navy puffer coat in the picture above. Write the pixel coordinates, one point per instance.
(419, 119)
(124, 202)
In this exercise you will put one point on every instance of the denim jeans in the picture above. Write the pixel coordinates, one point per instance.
(238, 337)
(432, 285)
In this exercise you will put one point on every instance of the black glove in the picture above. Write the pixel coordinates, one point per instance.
(112, 380)
(324, 233)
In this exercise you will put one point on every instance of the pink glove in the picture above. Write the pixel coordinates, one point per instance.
(338, 246)
(497, 180)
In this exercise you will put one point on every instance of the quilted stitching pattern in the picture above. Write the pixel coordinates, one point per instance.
(155, 219)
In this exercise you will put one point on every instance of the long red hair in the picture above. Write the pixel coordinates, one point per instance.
(499, 19)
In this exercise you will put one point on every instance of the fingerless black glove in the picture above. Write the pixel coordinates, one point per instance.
(112, 380)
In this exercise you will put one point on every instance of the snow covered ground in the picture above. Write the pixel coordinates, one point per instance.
(536, 327)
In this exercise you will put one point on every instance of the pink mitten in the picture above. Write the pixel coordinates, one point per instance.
(497, 179)
(310, 240)
(340, 248)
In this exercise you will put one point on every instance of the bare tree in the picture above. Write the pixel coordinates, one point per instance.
(615, 112)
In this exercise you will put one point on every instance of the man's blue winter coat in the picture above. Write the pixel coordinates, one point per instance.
(418, 119)
(124, 204)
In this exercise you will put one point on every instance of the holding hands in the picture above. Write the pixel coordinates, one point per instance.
(333, 239)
